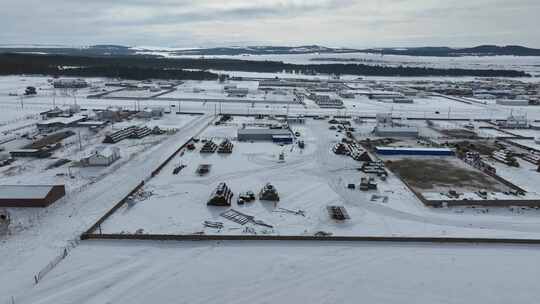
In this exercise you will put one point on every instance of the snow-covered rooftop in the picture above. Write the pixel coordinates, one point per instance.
(24, 192)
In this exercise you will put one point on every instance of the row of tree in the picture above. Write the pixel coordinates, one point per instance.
(144, 67)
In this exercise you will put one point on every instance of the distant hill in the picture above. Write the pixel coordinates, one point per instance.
(119, 50)
(95, 50)
(483, 50)
(263, 50)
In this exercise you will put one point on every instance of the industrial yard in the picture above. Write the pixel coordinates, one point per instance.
(254, 158)
(269, 151)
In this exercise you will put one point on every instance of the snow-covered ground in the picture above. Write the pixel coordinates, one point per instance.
(529, 63)
(120, 272)
(308, 180)
(290, 272)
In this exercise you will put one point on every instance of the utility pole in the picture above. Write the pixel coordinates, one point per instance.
(80, 142)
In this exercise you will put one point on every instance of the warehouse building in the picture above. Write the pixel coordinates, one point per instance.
(513, 102)
(70, 84)
(414, 151)
(30, 195)
(396, 131)
(296, 119)
(259, 134)
(59, 123)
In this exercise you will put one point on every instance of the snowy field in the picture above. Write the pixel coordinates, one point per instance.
(289, 272)
(529, 63)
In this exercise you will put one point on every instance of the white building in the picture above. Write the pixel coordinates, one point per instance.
(513, 102)
(101, 157)
(515, 122)
(70, 83)
(296, 119)
(152, 112)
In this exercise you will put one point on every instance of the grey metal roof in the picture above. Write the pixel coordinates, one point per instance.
(265, 131)
(24, 192)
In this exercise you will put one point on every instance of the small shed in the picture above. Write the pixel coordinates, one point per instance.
(101, 157)
(30, 195)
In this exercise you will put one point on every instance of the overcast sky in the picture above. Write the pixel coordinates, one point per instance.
(196, 23)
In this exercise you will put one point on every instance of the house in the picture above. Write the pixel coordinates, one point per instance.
(101, 157)
(30, 195)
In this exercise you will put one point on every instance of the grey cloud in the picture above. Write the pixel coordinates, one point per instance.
(353, 23)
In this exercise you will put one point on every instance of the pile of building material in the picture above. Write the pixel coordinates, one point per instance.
(203, 169)
(216, 225)
(242, 219)
(340, 149)
(269, 193)
(223, 119)
(246, 197)
(141, 132)
(505, 157)
(375, 198)
(178, 168)
(374, 167)
(225, 146)
(474, 159)
(294, 212)
(237, 216)
(530, 157)
(129, 132)
(367, 184)
(358, 153)
(221, 196)
(338, 213)
(209, 147)
(325, 101)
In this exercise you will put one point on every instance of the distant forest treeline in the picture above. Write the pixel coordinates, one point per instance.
(145, 67)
